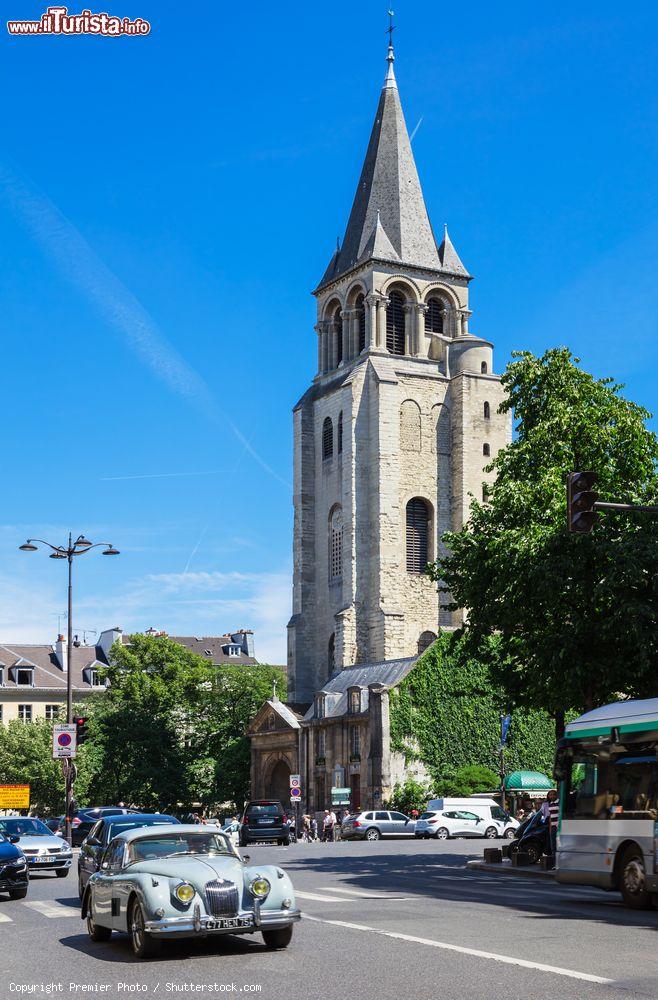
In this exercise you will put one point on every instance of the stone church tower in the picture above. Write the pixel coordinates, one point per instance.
(393, 435)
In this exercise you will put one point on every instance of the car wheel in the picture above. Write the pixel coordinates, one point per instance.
(278, 939)
(144, 945)
(509, 834)
(61, 872)
(633, 880)
(18, 893)
(491, 833)
(286, 843)
(442, 833)
(373, 834)
(534, 851)
(95, 932)
(513, 848)
(81, 888)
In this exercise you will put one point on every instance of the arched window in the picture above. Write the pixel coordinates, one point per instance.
(360, 307)
(485, 493)
(327, 438)
(487, 411)
(336, 544)
(484, 367)
(320, 705)
(340, 433)
(395, 323)
(434, 317)
(425, 641)
(338, 334)
(410, 426)
(486, 450)
(331, 655)
(441, 435)
(271, 721)
(417, 535)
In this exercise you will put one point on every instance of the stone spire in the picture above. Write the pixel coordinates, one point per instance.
(449, 257)
(389, 196)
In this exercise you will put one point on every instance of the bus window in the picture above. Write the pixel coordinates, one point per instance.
(603, 786)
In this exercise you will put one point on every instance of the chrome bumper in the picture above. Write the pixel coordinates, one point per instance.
(197, 924)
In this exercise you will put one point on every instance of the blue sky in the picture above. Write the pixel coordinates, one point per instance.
(166, 206)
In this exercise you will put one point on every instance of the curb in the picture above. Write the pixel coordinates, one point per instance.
(505, 868)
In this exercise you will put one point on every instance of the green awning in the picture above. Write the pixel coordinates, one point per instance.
(527, 781)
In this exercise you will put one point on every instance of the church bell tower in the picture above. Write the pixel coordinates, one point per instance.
(394, 433)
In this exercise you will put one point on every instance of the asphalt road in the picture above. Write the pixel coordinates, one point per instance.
(394, 919)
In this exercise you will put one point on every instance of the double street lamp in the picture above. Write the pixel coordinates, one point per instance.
(79, 547)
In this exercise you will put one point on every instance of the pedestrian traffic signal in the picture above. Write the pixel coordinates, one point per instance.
(581, 500)
(81, 733)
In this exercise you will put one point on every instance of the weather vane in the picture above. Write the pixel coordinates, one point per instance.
(391, 27)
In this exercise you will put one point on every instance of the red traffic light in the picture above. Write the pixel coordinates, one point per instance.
(81, 732)
(581, 500)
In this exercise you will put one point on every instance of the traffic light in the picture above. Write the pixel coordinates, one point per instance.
(81, 732)
(581, 498)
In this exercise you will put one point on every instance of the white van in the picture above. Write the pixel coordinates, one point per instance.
(488, 809)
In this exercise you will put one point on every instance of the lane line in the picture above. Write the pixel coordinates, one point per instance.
(321, 899)
(4, 919)
(472, 952)
(361, 894)
(51, 909)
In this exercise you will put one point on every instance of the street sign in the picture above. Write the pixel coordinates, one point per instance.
(14, 796)
(64, 742)
(340, 796)
(295, 794)
(295, 781)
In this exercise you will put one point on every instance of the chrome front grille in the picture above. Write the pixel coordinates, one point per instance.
(222, 898)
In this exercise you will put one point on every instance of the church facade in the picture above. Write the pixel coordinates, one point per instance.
(391, 443)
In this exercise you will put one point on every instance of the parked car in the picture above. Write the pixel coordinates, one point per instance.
(85, 818)
(108, 827)
(488, 809)
(533, 839)
(14, 877)
(55, 824)
(440, 824)
(185, 881)
(264, 819)
(377, 823)
(43, 850)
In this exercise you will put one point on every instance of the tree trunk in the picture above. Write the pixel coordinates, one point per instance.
(559, 725)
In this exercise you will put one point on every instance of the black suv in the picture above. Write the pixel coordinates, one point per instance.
(264, 819)
(13, 868)
(87, 817)
(107, 827)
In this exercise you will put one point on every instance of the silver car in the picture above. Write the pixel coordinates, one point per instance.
(43, 850)
(375, 824)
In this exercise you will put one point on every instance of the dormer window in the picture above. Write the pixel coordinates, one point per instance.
(25, 676)
(320, 706)
(354, 701)
(92, 677)
(234, 650)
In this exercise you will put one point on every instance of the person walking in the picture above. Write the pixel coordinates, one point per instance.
(314, 828)
(550, 810)
(328, 826)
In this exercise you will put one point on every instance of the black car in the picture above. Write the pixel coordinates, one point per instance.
(85, 818)
(102, 833)
(13, 868)
(264, 819)
(532, 838)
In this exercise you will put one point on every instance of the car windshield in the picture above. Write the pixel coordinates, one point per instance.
(146, 848)
(427, 815)
(24, 827)
(119, 825)
(266, 809)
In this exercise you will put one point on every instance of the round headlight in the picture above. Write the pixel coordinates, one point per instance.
(260, 887)
(185, 892)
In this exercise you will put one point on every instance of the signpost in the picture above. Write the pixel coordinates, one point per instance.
(296, 797)
(340, 796)
(64, 741)
(14, 796)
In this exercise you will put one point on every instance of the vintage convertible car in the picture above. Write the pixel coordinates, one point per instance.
(185, 881)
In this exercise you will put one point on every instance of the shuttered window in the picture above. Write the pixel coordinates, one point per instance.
(434, 317)
(487, 411)
(395, 323)
(340, 433)
(338, 334)
(417, 535)
(336, 544)
(327, 438)
(361, 322)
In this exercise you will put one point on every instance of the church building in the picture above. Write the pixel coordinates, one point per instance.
(391, 441)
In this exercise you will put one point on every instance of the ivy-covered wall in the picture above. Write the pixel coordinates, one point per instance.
(446, 713)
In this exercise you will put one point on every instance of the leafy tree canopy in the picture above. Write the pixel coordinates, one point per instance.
(574, 617)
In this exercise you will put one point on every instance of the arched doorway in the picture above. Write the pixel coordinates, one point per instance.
(280, 783)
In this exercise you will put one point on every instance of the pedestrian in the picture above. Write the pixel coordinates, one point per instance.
(306, 828)
(520, 815)
(550, 810)
(314, 828)
(328, 826)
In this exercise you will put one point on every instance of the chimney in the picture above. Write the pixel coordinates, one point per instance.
(60, 652)
(245, 637)
(107, 639)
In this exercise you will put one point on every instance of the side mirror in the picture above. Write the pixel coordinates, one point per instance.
(13, 838)
(93, 842)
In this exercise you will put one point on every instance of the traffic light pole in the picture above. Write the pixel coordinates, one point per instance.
(69, 693)
(639, 507)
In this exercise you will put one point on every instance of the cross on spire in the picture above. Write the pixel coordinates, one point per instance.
(391, 28)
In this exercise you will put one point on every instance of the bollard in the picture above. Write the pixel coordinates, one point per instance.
(521, 860)
(547, 862)
(493, 856)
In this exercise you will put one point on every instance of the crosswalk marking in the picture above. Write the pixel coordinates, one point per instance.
(52, 909)
(322, 899)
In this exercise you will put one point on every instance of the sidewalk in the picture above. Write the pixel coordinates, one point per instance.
(506, 868)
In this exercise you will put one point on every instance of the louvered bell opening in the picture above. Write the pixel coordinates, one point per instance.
(222, 898)
(327, 438)
(417, 536)
(434, 318)
(361, 318)
(395, 324)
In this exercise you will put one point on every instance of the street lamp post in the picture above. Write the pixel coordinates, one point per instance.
(74, 548)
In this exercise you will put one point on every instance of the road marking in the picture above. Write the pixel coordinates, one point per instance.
(4, 919)
(360, 894)
(473, 952)
(322, 899)
(51, 909)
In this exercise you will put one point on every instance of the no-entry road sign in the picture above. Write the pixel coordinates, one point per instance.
(64, 742)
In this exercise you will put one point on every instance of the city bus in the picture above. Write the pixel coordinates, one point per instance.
(607, 767)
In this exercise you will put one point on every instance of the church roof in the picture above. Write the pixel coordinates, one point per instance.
(389, 219)
(387, 672)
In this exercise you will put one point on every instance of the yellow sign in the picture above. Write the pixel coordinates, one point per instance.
(14, 796)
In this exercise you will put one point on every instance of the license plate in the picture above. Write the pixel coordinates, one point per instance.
(225, 923)
(39, 861)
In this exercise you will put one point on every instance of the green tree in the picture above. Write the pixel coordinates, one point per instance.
(467, 780)
(408, 796)
(573, 616)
